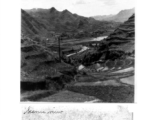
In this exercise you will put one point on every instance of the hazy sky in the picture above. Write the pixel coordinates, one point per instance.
(82, 7)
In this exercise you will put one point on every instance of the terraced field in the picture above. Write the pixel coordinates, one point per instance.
(114, 76)
(111, 85)
(106, 81)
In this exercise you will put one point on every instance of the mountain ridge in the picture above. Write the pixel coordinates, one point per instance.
(121, 16)
(65, 21)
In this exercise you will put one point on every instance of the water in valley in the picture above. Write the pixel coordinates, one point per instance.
(84, 48)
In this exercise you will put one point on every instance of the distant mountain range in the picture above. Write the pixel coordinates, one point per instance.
(122, 16)
(41, 20)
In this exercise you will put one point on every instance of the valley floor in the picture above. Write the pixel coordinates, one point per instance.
(108, 81)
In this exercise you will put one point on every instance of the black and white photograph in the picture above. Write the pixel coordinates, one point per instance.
(75, 59)
(77, 51)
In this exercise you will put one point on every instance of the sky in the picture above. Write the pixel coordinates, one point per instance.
(82, 7)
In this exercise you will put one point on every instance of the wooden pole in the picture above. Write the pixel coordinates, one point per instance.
(59, 48)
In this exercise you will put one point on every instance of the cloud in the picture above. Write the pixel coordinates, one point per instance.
(81, 2)
(108, 2)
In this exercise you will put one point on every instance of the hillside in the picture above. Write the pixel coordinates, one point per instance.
(30, 26)
(65, 21)
(122, 16)
(40, 64)
(123, 37)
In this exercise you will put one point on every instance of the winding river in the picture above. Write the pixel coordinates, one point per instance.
(84, 48)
